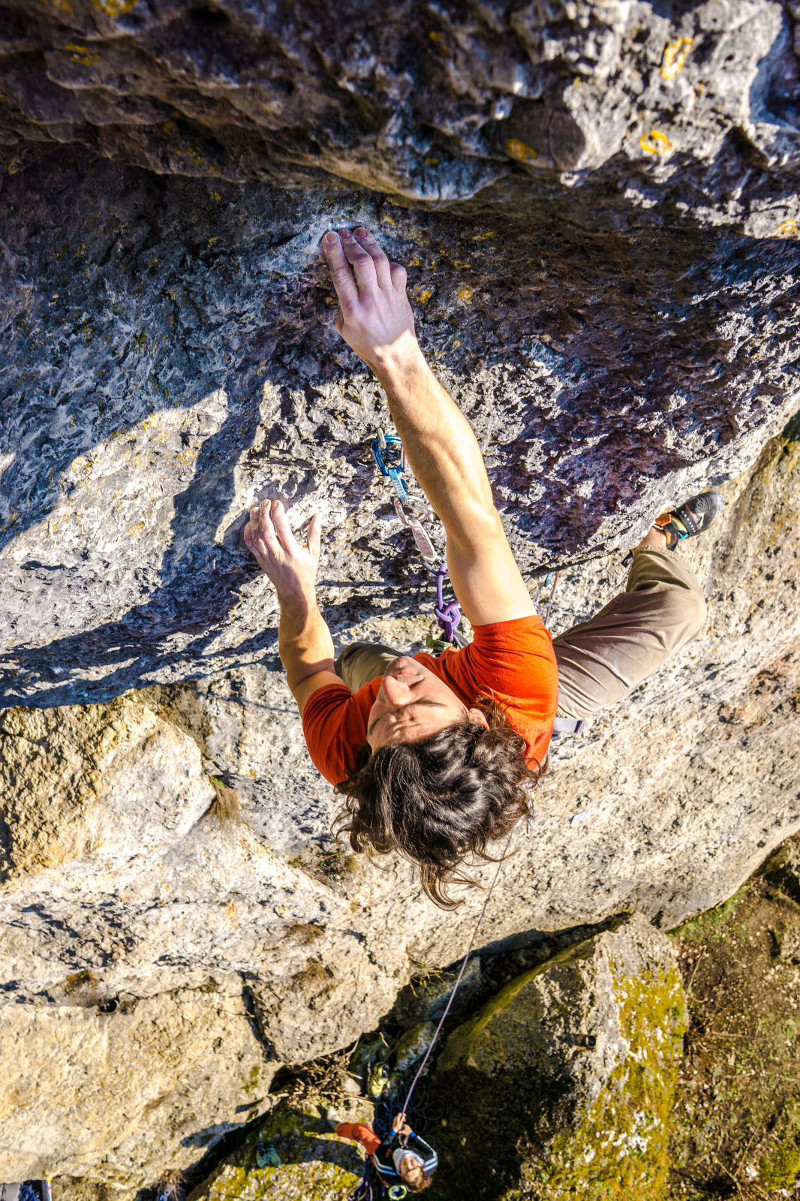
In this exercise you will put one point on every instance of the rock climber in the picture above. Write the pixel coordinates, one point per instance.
(436, 756)
(401, 1156)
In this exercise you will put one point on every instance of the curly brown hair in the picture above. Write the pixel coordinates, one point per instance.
(440, 799)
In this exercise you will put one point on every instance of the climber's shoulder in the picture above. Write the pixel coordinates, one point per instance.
(305, 689)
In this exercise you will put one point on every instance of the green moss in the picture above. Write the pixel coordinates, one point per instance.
(83, 979)
(289, 1182)
(780, 1166)
(253, 1083)
(619, 1148)
(556, 1146)
(709, 927)
(783, 874)
(307, 1162)
(458, 1050)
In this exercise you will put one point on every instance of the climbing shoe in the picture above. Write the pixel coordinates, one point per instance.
(690, 519)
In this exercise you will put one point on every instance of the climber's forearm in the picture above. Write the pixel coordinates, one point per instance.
(440, 445)
(304, 640)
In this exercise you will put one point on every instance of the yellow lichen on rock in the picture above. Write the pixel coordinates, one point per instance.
(82, 54)
(115, 8)
(675, 56)
(620, 1147)
(521, 151)
(655, 143)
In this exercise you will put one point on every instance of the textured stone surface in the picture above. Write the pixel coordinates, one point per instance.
(573, 1068)
(598, 206)
(110, 783)
(155, 1073)
(292, 1156)
(643, 812)
(431, 102)
(619, 326)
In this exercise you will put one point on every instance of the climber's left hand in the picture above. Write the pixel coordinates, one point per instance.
(272, 543)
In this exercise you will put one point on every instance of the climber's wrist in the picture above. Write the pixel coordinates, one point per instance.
(297, 597)
(400, 367)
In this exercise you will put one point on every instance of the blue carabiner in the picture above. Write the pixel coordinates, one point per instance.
(389, 458)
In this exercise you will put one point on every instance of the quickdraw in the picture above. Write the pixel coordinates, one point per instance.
(387, 450)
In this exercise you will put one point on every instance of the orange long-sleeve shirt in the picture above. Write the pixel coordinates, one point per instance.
(360, 1133)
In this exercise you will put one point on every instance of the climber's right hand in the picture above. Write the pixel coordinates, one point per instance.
(374, 317)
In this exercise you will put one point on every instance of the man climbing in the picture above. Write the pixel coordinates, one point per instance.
(436, 756)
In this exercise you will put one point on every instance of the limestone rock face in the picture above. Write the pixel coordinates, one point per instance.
(434, 104)
(110, 783)
(664, 806)
(597, 205)
(151, 1073)
(572, 1067)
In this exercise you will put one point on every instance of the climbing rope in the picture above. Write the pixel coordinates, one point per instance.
(387, 450)
(389, 456)
(550, 581)
(371, 1178)
(460, 975)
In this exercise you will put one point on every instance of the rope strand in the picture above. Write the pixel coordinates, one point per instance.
(460, 975)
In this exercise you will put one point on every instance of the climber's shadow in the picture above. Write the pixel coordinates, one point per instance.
(200, 582)
(200, 579)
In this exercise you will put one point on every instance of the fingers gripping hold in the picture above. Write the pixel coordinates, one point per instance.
(399, 275)
(341, 274)
(375, 318)
(283, 530)
(368, 243)
(361, 261)
(272, 542)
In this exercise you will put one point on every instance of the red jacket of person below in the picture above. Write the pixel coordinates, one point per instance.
(511, 662)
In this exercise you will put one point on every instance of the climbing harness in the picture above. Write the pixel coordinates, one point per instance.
(387, 450)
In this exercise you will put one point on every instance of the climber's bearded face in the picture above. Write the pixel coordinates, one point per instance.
(412, 704)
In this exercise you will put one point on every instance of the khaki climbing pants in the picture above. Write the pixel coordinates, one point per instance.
(601, 660)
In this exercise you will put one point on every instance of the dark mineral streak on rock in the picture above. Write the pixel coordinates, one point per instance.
(599, 215)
